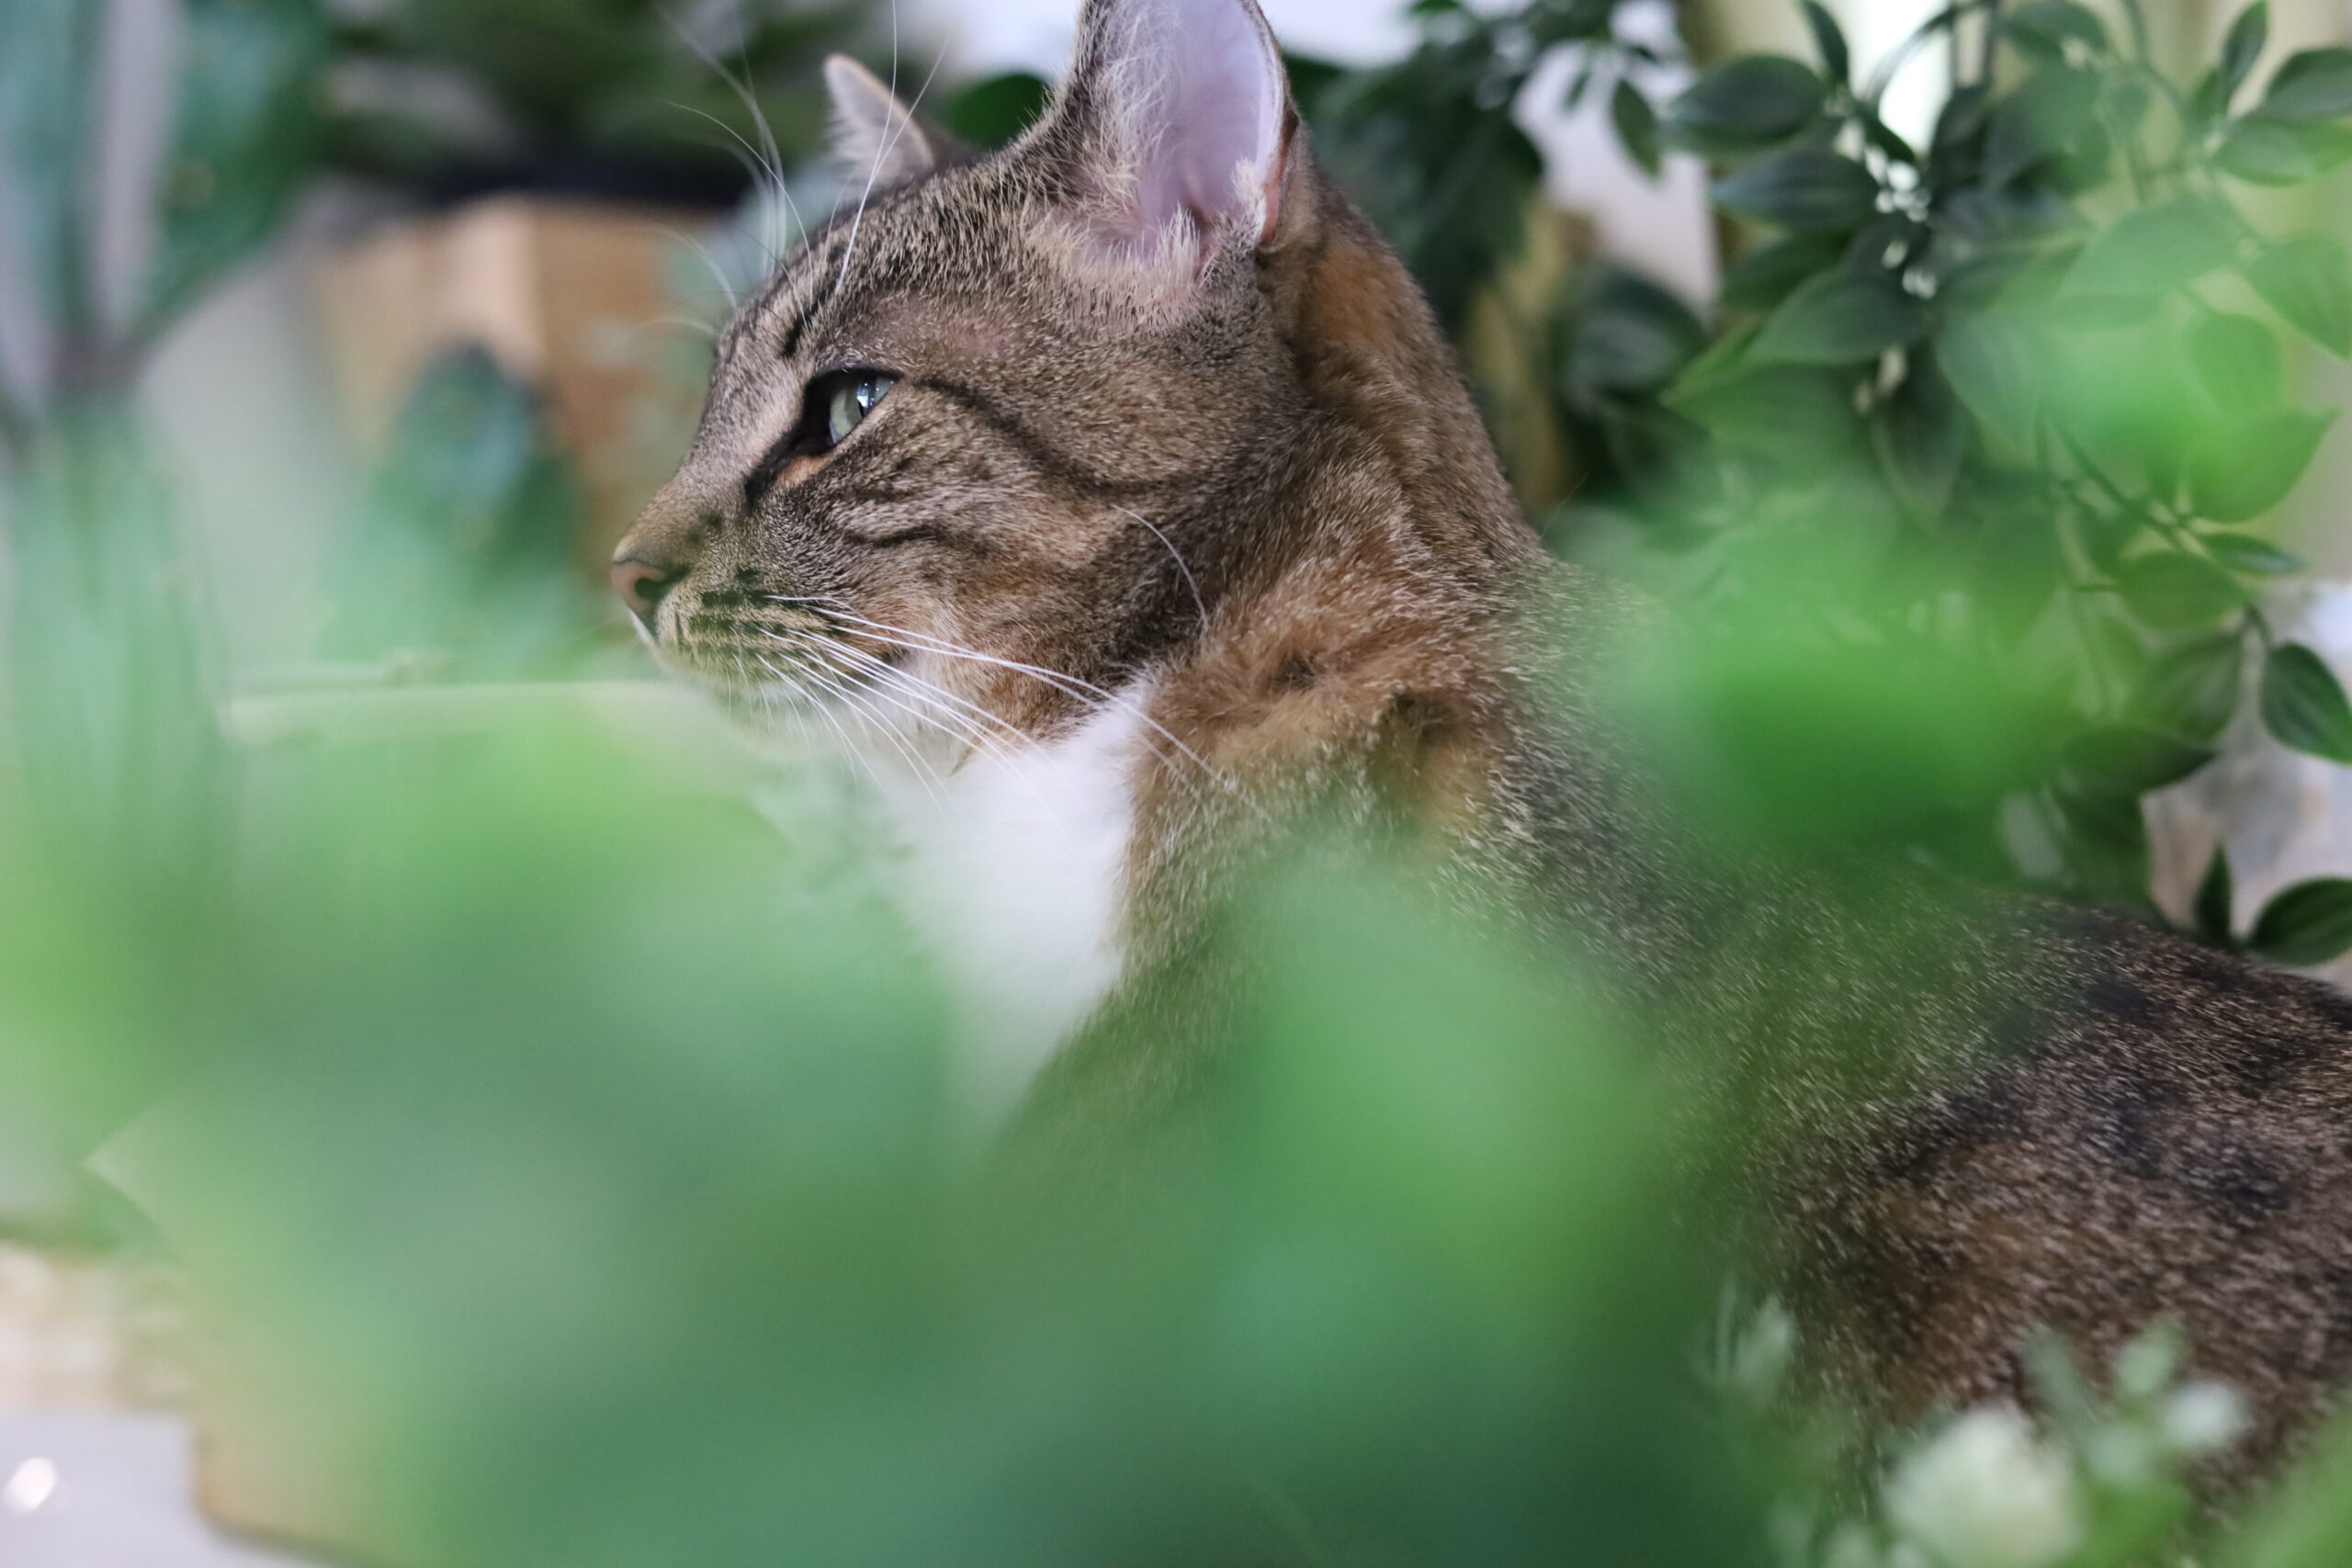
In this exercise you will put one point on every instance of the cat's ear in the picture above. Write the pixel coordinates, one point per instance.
(1182, 119)
(874, 135)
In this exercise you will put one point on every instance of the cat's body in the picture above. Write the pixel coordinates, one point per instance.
(1123, 482)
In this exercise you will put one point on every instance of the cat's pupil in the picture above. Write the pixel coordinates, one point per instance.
(853, 399)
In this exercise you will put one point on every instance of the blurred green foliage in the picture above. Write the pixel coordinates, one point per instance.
(634, 97)
(248, 137)
(653, 1232)
(2018, 367)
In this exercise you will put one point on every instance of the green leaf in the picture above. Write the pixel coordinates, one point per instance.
(2216, 898)
(2156, 249)
(1809, 191)
(2129, 101)
(1965, 115)
(2194, 690)
(1880, 135)
(1922, 436)
(1994, 362)
(2253, 556)
(2303, 704)
(2108, 845)
(1748, 104)
(2314, 84)
(2046, 26)
(1637, 127)
(2106, 313)
(2178, 592)
(2039, 121)
(2019, 562)
(2239, 359)
(2242, 469)
(1766, 274)
(1780, 412)
(2309, 282)
(2107, 536)
(1624, 335)
(994, 110)
(2133, 759)
(1829, 41)
(47, 72)
(2308, 925)
(1979, 282)
(1841, 318)
(2249, 36)
(2266, 152)
(247, 133)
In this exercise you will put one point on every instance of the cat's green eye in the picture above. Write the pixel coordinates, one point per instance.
(854, 396)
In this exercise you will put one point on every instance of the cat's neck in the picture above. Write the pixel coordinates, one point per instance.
(1373, 357)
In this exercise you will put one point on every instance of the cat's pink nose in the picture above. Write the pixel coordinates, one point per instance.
(642, 586)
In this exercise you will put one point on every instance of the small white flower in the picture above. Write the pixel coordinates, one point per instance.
(2205, 1418)
(1985, 1493)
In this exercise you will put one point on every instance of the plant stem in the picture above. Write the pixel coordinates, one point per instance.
(2138, 16)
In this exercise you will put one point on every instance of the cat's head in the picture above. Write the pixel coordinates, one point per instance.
(1003, 411)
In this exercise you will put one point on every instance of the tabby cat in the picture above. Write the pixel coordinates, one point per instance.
(1120, 486)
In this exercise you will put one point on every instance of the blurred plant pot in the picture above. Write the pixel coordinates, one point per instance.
(574, 298)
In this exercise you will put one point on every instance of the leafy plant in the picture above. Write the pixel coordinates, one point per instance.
(1992, 411)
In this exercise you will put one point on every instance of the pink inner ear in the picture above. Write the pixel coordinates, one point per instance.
(1209, 96)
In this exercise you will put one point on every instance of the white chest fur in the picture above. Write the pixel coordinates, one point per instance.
(1016, 877)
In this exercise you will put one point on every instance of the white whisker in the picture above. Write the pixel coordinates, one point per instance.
(974, 715)
(855, 754)
(924, 773)
(718, 274)
(671, 323)
(1069, 685)
(1190, 581)
(742, 91)
(1012, 758)
(886, 146)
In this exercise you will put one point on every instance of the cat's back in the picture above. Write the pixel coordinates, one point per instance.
(2165, 1133)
